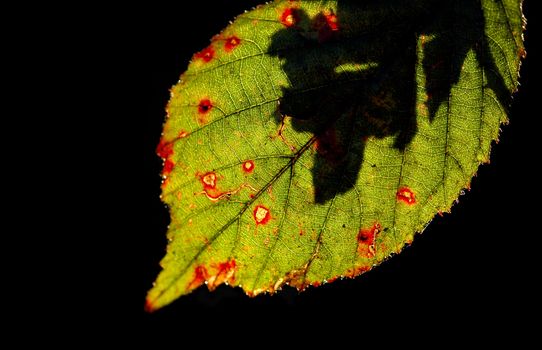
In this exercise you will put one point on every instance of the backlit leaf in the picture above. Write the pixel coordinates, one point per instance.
(311, 140)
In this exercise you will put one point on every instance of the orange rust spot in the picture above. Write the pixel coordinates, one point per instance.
(366, 240)
(261, 214)
(200, 276)
(208, 180)
(406, 195)
(222, 272)
(206, 54)
(231, 43)
(332, 21)
(327, 25)
(248, 166)
(183, 134)
(226, 267)
(164, 183)
(290, 17)
(351, 273)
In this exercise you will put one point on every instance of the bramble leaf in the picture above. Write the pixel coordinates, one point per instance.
(313, 139)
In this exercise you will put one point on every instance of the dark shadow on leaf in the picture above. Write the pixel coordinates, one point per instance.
(352, 75)
(458, 27)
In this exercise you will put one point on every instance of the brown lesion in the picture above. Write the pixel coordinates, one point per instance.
(200, 276)
(206, 55)
(367, 240)
(213, 275)
(296, 278)
(211, 190)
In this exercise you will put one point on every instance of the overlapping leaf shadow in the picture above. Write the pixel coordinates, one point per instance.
(352, 75)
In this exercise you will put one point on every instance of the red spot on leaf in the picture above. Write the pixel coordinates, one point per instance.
(164, 149)
(366, 240)
(210, 188)
(200, 276)
(290, 17)
(226, 268)
(168, 167)
(332, 21)
(231, 43)
(220, 273)
(406, 195)
(183, 134)
(205, 106)
(423, 40)
(208, 180)
(248, 166)
(206, 54)
(327, 25)
(261, 214)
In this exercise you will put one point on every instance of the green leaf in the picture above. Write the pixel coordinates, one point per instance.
(313, 139)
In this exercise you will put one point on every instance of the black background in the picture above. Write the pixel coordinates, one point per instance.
(476, 265)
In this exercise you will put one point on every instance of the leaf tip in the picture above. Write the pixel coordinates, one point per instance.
(149, 306)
